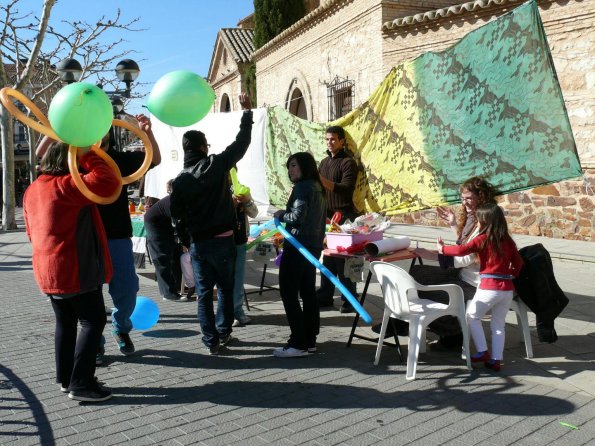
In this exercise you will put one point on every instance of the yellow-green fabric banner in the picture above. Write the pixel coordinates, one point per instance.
(490, 106)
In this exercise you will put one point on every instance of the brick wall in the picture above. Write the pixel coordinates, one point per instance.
(344, 41)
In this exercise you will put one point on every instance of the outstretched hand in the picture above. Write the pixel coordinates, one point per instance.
(447, 215)
(144, 123)
(245, 101)
(440, 245)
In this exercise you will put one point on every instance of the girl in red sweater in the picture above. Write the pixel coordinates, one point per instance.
(500, 262)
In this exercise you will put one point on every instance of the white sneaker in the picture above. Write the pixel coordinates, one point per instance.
(241, 322)
(289, 352)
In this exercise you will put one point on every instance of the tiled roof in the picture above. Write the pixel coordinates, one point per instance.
(36, 79)
(443, 12)
(240, 42)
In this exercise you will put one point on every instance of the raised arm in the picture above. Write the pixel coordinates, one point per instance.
(145, 125)
(237, 149)
(43, 146)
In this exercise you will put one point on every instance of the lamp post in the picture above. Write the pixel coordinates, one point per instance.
(127, 70)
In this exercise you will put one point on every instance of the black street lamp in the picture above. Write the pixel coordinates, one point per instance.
(69, 70)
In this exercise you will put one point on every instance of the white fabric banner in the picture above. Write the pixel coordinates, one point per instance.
(220, 130)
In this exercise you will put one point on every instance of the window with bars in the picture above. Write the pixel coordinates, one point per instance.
(340, 94)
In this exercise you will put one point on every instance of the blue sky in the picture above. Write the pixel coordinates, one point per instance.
(180, 34)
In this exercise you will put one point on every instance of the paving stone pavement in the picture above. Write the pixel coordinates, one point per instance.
(173, 393)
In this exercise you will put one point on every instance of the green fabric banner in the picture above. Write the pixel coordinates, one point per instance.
(490, 105)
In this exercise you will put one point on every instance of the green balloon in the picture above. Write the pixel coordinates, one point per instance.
(181, 98)
(80, 114)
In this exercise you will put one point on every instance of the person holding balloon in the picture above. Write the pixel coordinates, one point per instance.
(305, 219)
(71, 261)
(118, 227)
(204, 216)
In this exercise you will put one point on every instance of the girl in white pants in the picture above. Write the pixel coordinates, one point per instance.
(500, 262)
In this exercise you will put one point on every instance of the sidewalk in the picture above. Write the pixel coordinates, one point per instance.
(173, 393)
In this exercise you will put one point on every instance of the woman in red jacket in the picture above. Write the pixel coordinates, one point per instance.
(71, 262)
(500, 262)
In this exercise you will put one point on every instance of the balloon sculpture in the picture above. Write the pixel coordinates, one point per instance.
(181, 98)
(80, 117)
(238, 189)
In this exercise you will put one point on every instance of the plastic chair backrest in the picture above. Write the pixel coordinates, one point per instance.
(397, 286)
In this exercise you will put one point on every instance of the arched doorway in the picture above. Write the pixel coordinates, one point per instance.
(297, 105)
(225, 105)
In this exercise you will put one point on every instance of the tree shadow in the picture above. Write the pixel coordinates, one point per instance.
(451, 392)
(19, 429)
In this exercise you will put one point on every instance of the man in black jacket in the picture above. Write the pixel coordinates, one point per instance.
(204, 216)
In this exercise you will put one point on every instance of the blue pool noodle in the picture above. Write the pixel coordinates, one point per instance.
(324, 270)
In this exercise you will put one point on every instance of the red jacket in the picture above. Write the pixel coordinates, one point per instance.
(70, 252)
(509, 263)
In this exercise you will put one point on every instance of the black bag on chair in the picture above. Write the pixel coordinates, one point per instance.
(538, 289)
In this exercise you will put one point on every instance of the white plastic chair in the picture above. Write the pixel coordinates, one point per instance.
(401, 301)
(519, 307)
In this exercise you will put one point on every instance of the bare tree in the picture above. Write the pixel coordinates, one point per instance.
(32, 45)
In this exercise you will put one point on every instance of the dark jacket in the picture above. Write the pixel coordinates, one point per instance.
(341, 170)
(538, 289)
(201, 203)
(305, 213)
(116, 216)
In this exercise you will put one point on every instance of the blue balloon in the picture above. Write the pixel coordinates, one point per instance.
(145, 314)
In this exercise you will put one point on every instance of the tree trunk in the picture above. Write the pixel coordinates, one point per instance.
(8, 217)
(32, 158)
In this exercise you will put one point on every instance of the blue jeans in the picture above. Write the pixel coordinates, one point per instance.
(238, 288)
(213, 262)
(124, 284)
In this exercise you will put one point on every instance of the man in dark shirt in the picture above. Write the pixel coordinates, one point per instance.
(118, 227)
(338, 173)
(205, 216)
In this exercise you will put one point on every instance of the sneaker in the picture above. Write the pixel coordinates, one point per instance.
(100, 357)
(63, 389)
(289, 352)
(312, 350)
(214, 350)
(92, 396)
(492, 364)
(226, 339)
(124, 343)
(189, 294)
(187, 298)
(241, 322)
(346, 308)
(481, 357)
(174, 298)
